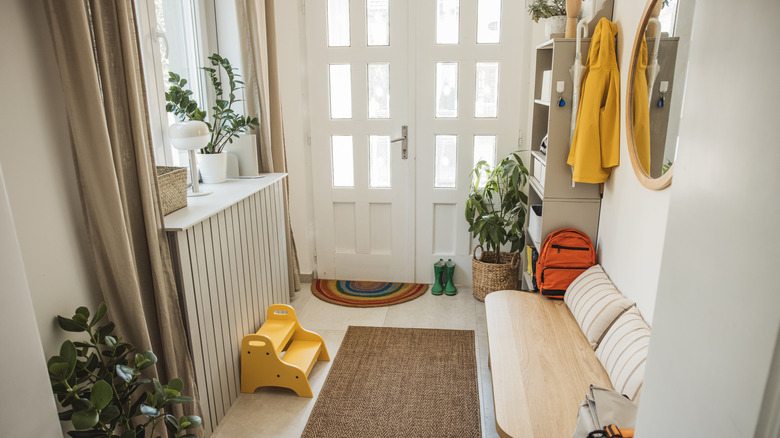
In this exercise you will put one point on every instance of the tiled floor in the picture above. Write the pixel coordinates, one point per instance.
(275, 412)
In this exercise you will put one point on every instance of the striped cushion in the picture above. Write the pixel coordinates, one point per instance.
(595, 303)
(623, 352)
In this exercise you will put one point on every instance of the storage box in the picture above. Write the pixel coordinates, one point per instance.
(546, 86)
(535, 224)
(539, 170)
(172, 182)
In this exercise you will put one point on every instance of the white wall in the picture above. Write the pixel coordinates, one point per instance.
(35, 152)
(27, 408)
(717, 314)
(633, 219)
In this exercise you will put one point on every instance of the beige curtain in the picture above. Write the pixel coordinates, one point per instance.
(97, 51)
(258, 49)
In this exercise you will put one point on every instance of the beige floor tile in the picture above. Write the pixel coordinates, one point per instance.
(278, 412)
(320, 315)
(435, 311)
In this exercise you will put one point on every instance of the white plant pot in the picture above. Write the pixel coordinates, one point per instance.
(554, 25)
(213, 167)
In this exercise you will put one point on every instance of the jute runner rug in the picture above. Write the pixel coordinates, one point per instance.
(399, 382)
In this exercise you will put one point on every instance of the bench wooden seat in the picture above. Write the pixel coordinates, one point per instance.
(541, 365)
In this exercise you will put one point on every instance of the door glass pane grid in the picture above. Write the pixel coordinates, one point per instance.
(338, 23)
(378, 91)
(447, 89)
(485, 150)
(486, 104)
(379, 162)
(488, 21)
(446, 162)
(340, 83)
(342, 159)
(378, 22)
(447, 20)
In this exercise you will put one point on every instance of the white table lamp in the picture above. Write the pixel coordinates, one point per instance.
(190, 136)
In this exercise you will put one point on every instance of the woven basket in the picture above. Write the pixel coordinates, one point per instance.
(173, 188)
(489, 276)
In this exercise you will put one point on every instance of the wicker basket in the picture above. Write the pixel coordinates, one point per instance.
(489, 276)
(173, 188)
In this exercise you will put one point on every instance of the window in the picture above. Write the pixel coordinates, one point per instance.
(172, 40)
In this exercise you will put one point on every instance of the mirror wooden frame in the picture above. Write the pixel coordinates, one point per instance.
(646, 180)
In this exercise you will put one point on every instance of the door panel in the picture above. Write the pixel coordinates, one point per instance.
(358, 93)
(467, 108)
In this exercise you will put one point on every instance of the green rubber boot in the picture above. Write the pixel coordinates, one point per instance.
(449, 289)
(438, 270)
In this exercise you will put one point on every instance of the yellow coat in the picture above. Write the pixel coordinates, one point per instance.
(642, 110)
(595, 148)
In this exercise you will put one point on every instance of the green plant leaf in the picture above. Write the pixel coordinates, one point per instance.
(70, 325)
(176, 384)
(99, 314)
(101, 394)
(172, 424)
(110, 342)
(125, 373)
(109, 413)
(85, 419)
(180, 399)
(149, 412)
(128, 434)
(145, 360)
(194, 420)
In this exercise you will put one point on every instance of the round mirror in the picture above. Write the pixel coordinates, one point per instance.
(656, 81)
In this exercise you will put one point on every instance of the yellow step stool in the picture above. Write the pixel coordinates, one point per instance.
(262, 361)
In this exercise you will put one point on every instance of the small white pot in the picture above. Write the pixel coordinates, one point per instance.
(213, 167)
(554, 25)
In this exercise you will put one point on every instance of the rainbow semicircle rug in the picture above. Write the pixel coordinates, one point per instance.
(366, 293)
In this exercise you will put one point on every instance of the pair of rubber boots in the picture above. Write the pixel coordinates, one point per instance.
(443, 273)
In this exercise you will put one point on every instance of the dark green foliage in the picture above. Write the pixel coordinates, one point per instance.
(95, 381)
(539, 9)
(225, 124)
(497, 205)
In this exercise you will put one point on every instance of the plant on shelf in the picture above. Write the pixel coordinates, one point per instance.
(98, 382)
(497, 206)
(226, 123)
(540, 9)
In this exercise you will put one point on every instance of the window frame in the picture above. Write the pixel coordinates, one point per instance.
(151, 41)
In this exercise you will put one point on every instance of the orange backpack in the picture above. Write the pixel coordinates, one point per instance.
(565, 255)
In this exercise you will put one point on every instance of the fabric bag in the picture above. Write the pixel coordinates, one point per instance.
(604, 407)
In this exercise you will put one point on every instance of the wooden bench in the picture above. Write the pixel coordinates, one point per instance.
(541, 365)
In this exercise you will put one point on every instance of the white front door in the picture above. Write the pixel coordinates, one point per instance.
(359, 100)
(449, 70)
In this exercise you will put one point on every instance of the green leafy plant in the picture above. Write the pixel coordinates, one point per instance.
(497, 205)
(98, 382)
(667, 165)
(226, 123)
(539, 9)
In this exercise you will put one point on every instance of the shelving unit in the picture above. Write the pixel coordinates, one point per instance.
(563, 206)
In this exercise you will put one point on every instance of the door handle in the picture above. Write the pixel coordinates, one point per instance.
(404, 139)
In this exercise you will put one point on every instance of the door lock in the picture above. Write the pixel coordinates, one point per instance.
(404, 142)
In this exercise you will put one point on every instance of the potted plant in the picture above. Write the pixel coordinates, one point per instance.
(496, 211)
(225, 124)
(99, 384)
(553, 12)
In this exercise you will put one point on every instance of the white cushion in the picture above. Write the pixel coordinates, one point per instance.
(595, 303)
(623, 352)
